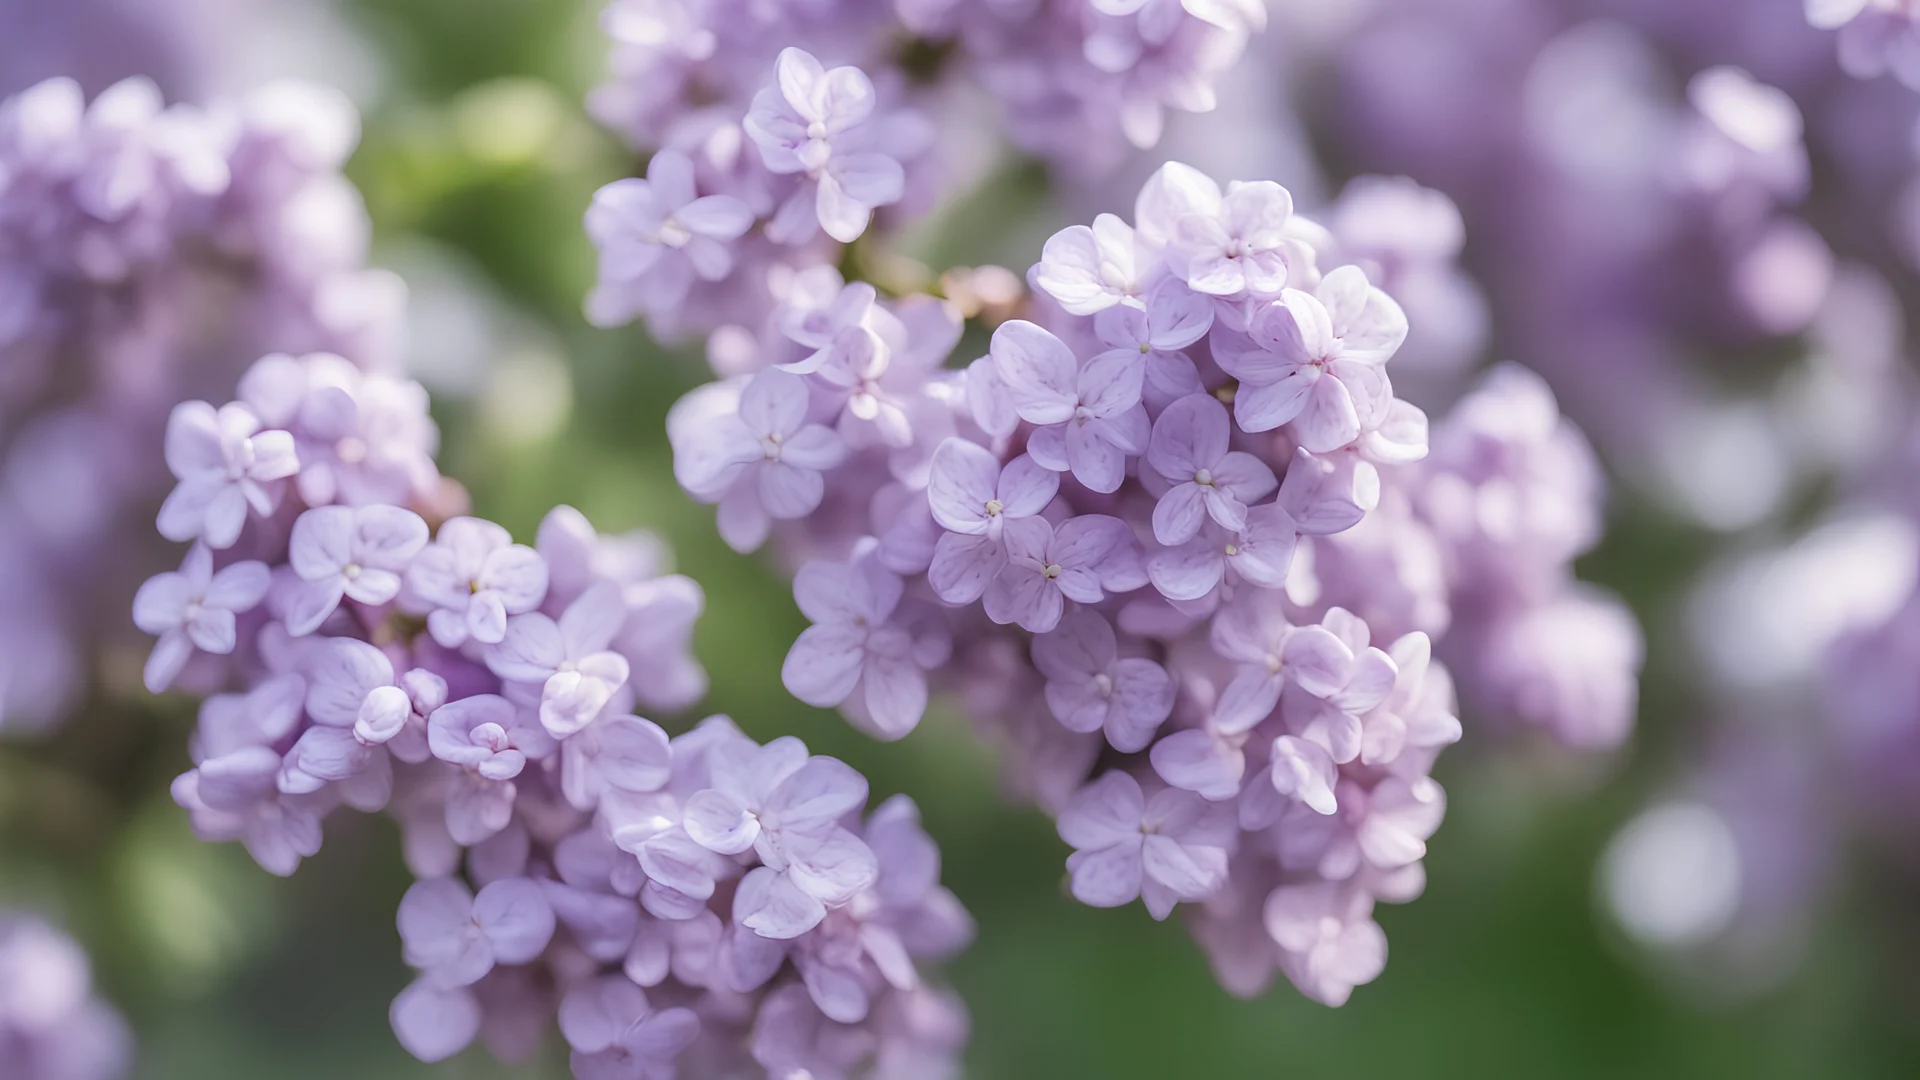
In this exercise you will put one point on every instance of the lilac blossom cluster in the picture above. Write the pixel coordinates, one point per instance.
(147, 253)
(778, 134)
(701, 903)
(1175, 544)
(52, 1027)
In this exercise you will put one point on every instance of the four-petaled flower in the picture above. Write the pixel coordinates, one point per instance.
(1088, 419)
(1189, 449)
(1165, 849)
(818, 122)
(474, 576)
(973, 498)
(358, 553)
(194, 608)
(657, 236)
(225, 464)
(853, 646)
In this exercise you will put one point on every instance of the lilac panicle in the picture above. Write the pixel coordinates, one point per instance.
(1175, 544)
(696, 905)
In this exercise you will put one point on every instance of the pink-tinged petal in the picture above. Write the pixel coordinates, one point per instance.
(1039, 371)
(634, 754)
(1257, 212)
(1178, 515)
(962, 480)
(1106, 812)
(1317, 660)
(516, 918)
(342, 673)
(670, 177)
(1106, 877)
(1244, 476)
(785, 910)
(829, 592)
(226, 515)
(433, 1023)
(988, 400)
(1023, 595)
(1189, 571)
(1194, 760)
(824, 665)
(184, 513)
(710, 458)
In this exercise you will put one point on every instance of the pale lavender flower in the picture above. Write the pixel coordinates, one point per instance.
(1316, 361)
(1047, 566)
(568, 658)
(474, 576)
(762, 464)
(853, 647)
(1189, 450)
(1090, 687)
(456, 937)
(1166, 849)
(1171, 320)
(1234, 243)
(616, 1034)
(340, 552)
(225, 465)
(1090, 269)
(657, 236)
(1329, 939)
(818, 122)
(973, 498)
(1089, 418)
(194, 608)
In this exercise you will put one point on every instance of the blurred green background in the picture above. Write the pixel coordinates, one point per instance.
(477, 163)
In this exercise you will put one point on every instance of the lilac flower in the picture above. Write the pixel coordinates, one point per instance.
(1166, 849)
(225, 465)
(617, 1035)
(1334, 664)
(1171, 320)
(1090, 688)
(1316, 361)
(434, 1022)
(656, 236)
(819, 122)
(852, 647)
(617, 753)
(456, 937)
(1260, 553)
(763, 463)
(785, 806)
(1090, 417)
(1047, 566)
(194, 608)
(344, 552)
(1092, 269)
(1329, 937)
(973, 498)
(1235, 243)
(476, 733)
(473, 575)
(567, 658)
(1189, 450)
